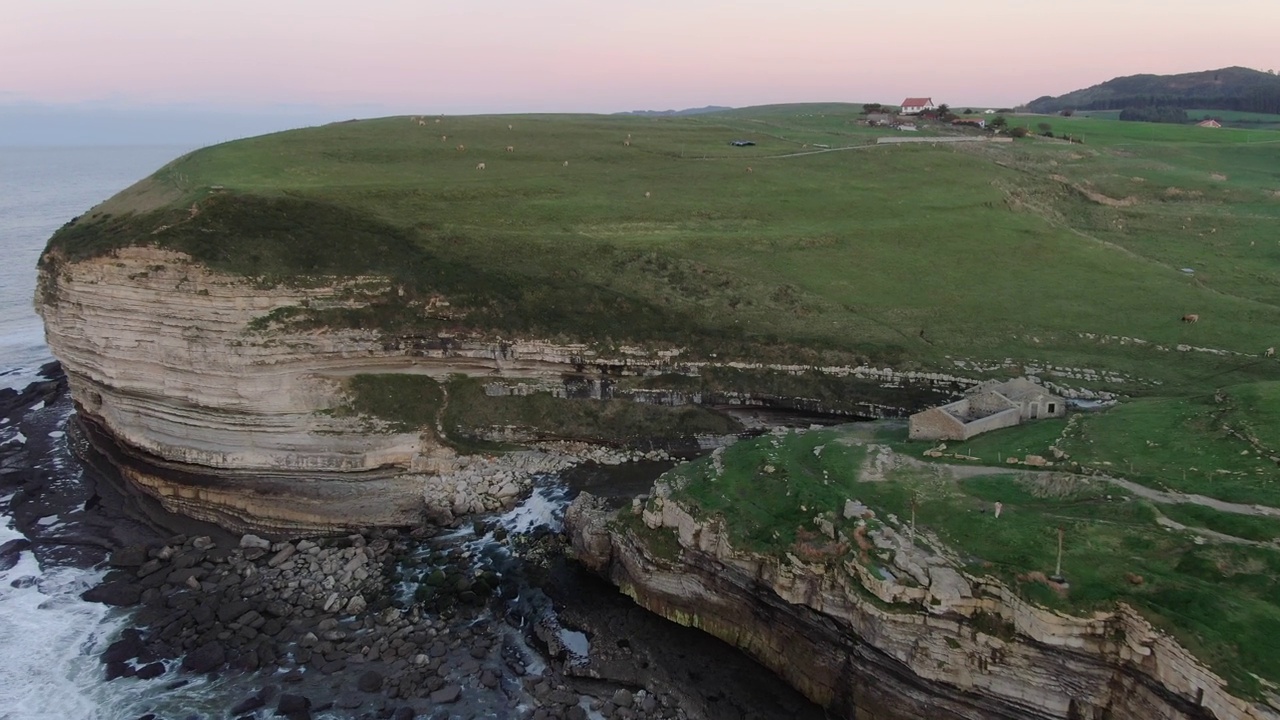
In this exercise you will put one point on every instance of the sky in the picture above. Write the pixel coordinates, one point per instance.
(343, 58)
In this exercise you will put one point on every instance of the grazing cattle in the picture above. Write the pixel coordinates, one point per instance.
(566, 163)
(511, 148)
(749, 168)
(462, 148)
(443, 138)
(510, 128)
(437, 119)
(1190, 318)
(479, 166)
(1271, 352)
(646, 193)
(626, 143)
(422, 122)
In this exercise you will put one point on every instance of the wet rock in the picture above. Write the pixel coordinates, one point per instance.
(206, 658)
(118, 593)
(126, 648)
(445, 695)
(126, 557)
(151, 671)
(290, 704)
(249, 704)
(119, 669)
(404, 713)
(370, 681)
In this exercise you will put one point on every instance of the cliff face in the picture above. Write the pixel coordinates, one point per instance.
(199, 387)
(954, 647)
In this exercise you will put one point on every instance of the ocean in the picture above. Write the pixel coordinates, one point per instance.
(47, 633)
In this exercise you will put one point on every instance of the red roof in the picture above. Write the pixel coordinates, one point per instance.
(917, 102)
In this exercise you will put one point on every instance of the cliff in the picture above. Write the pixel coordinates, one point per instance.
(198, 386)
(865, 646)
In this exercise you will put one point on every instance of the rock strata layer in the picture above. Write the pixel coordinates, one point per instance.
(950, 647)
(199, 386)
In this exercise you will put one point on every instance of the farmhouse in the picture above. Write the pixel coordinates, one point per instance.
(1209, 123)
(989, 406)
(915, 106)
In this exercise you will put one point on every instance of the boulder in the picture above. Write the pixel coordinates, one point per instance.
(118, 593)
(290, 704)
(132, 556)
(369, 681)
(206, 658)
(445, 695)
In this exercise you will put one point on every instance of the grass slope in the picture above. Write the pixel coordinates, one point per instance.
(905, 255)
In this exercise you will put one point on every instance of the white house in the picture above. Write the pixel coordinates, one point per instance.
(915, 106)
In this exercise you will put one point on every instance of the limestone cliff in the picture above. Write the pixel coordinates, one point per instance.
(866, 646)
(206, 394)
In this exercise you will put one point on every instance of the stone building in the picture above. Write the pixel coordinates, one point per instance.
(989, 406)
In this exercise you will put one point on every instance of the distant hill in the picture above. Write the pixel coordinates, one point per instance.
(673, 113)
(1233, 88)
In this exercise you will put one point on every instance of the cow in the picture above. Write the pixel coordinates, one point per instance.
(566, 163)
(627, 142)
(511, 148)
(437, 119)
(422, 122)
(1271, 352)
(444, 138)
(1191, 318)
(749, 168)
(462, 148)
(480, 166)
(646, 193)
(510, 128)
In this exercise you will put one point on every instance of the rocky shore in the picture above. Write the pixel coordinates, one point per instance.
(483, 618)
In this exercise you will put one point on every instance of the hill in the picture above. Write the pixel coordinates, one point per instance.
(911, 256)
(1232, 88)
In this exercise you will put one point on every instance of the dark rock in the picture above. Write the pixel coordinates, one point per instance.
(126, 648)
(151, 671)
(370, 681)
(206, 658)
(576, 713)
(10, 551)
(290, 703)
(488, 679)
(128, 557)
(119, 669)
(349, 701)
(249, 704)
(118, 593)
(293, 676)
(623, 698)
(445, 695)
(228, 612)
(404, 713)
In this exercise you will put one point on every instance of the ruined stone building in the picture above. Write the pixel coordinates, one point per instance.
(989, 406)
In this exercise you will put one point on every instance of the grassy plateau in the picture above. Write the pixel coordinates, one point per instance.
(1075, 261)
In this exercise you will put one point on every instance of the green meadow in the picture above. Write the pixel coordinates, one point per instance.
(1033, 253)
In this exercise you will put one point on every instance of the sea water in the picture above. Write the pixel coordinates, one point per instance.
(48, 635)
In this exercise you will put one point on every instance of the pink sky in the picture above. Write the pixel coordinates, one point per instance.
(605, 56)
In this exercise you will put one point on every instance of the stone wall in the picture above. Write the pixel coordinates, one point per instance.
(1002, 419)
(936, 424)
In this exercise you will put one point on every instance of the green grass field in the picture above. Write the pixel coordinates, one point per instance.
(912, 256)
(1220, 599)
